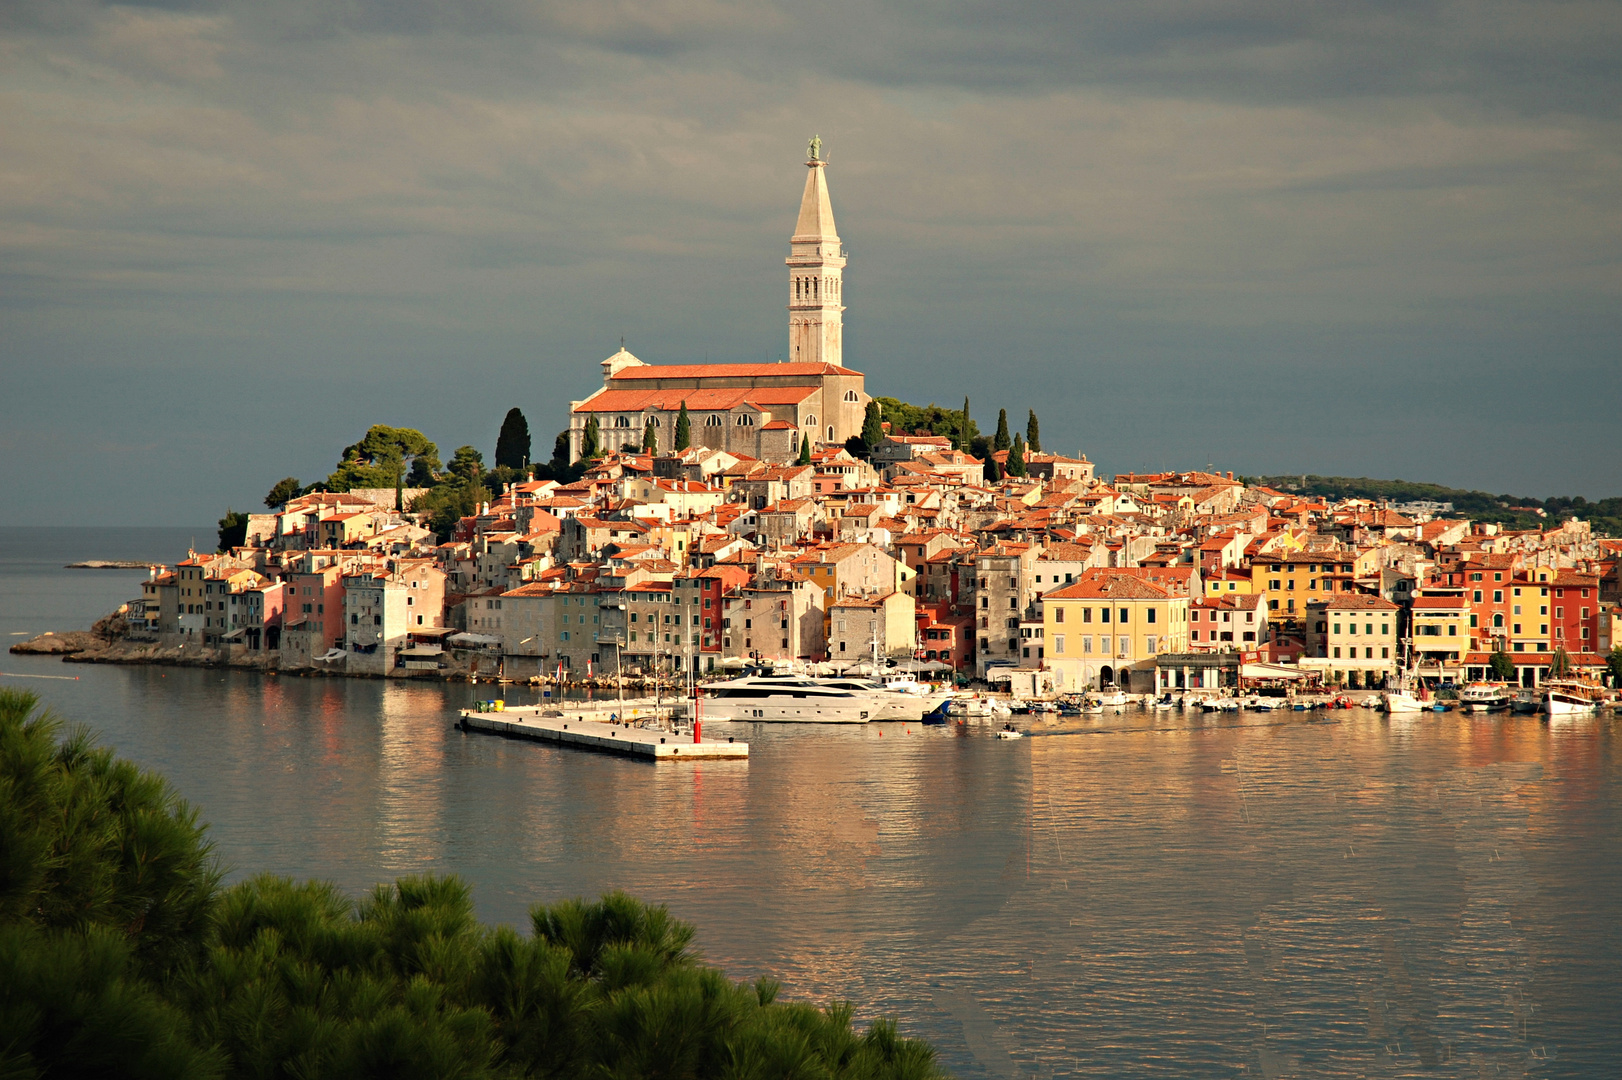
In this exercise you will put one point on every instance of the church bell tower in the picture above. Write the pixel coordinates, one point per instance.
(816, 265)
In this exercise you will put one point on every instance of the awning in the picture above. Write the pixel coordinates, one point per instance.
(422, 652)
(332, 656)
(1000, 674)
(473, 639)
(1272, 671)
(733, 663)
(233, 635)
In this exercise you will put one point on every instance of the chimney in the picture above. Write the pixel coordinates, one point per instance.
(1230, 474)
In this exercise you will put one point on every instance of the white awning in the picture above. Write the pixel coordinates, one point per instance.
(1000, 674)
(473, 639)
(1271, 671)
(331, 656)
(233, 635)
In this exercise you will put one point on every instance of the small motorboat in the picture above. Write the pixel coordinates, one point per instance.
(1010, 732)
(1480, 697)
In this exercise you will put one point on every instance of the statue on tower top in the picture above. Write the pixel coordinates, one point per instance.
(816, 147)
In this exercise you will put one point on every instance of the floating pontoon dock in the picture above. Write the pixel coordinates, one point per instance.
(597, 727)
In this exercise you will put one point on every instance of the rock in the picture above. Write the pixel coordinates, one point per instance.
(49, 644)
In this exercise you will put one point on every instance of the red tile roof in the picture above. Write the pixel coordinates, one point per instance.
(726, 371)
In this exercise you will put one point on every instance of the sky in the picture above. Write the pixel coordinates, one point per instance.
(1378, 239)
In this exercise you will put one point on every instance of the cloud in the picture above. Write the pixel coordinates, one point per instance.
(1305, 196)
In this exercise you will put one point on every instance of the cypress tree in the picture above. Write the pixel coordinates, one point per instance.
(1002, 441)
(1016, 457)
(684, 430)
(512, 445)
(589, 446)
(963, 428)
(805, 450)
(992, 472)
(873, 425)
(650, 438)
(1033, 434)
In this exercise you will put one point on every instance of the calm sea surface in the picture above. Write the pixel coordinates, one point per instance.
(1153, 896)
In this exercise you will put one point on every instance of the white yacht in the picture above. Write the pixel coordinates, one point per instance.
(803, 699)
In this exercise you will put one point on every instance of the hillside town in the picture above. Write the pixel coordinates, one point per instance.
(720, 515)
(708, 560)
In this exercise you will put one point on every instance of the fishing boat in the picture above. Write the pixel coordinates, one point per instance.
(1111, 696)
(1481, 697)
(1526, 700)
(1571, 697)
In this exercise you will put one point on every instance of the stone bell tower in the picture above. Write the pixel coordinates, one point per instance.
(816, 265)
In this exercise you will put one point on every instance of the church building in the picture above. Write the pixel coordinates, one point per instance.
(761, 410)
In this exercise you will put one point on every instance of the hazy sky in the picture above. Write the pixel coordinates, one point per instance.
(1373, 239)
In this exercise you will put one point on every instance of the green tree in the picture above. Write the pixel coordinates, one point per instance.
(1560, 663)
(379, 459)
(512, 444)
(282, 492)
(1033, 434)
(650, 438)
(980, 447)
(467, 464)
(993, 471)
(873, 425)
(233, 530)
(1613, 664)
(1002, 441)
(1016, 457)
(591, 440)
(963, 436)
(805, 451)
(684, 430)
(120, 956)
(1501, 667)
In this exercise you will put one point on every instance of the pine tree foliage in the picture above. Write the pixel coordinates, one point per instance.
(512, 444)
(285, 489)
(650, 438)
(120, 956)
(380, 457)
(1033, 434)
(591, 440)
(1002, 441)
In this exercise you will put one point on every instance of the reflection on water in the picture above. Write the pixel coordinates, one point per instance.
(1144, 895)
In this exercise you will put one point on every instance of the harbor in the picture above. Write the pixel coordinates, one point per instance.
(645, 730)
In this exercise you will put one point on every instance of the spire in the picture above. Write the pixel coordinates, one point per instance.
(816, 211)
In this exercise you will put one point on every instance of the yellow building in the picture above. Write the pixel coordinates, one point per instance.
(1108, 627)
(1291, 582)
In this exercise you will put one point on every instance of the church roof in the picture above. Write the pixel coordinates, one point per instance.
(636, 400)
(816, 210)
(728, 371)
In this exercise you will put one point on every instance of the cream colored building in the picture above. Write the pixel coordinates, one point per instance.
(1356, 635)
(1107, 628)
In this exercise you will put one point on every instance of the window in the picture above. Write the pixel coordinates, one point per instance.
(1058, 616)
(1151, 618)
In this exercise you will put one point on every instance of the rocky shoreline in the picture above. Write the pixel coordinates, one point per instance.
(104, 644)
(107, 564)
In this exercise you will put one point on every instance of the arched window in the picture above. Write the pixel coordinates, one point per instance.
(622, 421)
(851, 395)
(811, 420)
(654, 420)
(745, 420)
(830, 433)
(713, 420)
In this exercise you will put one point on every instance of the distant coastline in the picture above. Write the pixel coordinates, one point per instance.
(107, 564)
